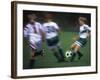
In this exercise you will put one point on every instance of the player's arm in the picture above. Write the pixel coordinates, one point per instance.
(89, 34)
(57, 28)
(26, 30)
(89, 31)
(25, 34)
(43, 34)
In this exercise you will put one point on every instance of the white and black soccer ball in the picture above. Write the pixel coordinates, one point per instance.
(68, 54)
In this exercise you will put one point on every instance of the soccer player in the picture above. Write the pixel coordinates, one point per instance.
(81, 39)
(34, 32)
(52, 38)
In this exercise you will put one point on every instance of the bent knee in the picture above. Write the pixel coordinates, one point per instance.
(73, 46)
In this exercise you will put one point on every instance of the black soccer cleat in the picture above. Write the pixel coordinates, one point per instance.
(73, 57)
(80, 56)
(31, 63)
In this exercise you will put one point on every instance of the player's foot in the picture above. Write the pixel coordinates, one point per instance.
(31, 63)
(73, 57)
(80, 56)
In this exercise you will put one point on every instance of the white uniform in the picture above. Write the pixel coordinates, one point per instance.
(50, 29)
(83, 35)
(33, 32)
(84, 31)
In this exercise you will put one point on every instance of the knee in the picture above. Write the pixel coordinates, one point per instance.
(77, 48)
(72, 46)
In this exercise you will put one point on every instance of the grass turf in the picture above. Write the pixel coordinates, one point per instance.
(49, 61)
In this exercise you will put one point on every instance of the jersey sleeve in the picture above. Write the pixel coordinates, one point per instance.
(26, 30)
(89, 28)
(56, 26)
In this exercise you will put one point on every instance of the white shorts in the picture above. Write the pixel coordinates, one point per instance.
(37, 45)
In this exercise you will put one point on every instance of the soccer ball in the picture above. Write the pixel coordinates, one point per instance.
(68, 54)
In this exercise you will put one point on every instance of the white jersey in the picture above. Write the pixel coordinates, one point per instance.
(50, 29)
(84, 31)
(33, 31)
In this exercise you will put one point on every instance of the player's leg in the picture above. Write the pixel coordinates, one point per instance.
(61, 53)
(76, 47)
(33, 51)
(78, 52)
(82, 44)
(39, 50)
(51, 43)
(55, 53)
(75, 52)
(32, 58)
(73, 46)
(60, 50)
(79, 55)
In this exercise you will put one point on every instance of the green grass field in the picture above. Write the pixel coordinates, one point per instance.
(49, 61)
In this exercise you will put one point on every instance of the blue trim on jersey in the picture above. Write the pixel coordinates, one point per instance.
(84, 31)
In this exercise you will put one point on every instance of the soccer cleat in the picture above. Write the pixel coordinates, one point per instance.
(80, 56)
(73, 57)
(31, 63)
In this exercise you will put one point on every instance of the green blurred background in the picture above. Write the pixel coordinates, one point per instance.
(69, 28)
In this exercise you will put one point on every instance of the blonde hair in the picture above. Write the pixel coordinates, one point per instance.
(83, 19)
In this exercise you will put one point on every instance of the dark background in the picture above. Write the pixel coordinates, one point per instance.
(66, 21)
